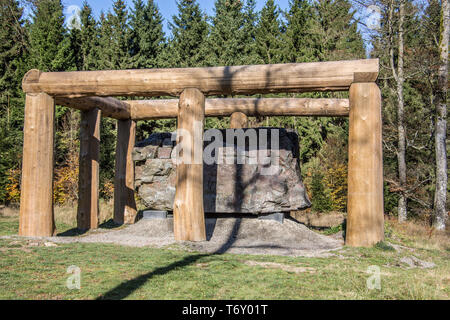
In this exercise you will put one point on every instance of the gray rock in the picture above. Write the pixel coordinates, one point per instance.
(143, 153)
(164, 153)
(414, 262)
(228, 187)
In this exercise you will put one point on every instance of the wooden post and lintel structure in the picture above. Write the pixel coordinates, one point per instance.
(92, 92)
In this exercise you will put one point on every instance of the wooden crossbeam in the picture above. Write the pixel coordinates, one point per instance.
(290, 77)
(110, 107)
(161, 109)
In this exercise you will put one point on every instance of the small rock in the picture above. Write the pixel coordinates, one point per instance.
(164, 153)
(50, 244)
(414, 262)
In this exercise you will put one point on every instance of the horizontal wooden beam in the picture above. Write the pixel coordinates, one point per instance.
(110, 107)
(161, 109)
(271, 78)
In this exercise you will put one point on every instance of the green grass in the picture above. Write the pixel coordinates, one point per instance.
(118, 272)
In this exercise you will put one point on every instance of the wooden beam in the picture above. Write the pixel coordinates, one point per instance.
(124, 202)
(36, 199)
(188, 212)
(291, 77)
(110, 107)
(238, 120)
(88, 181)
(365, 221)
(161, 109)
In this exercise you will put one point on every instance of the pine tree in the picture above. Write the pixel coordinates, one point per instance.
(88, 39)
(337, 31)
(50, 48)
(301, 44)
(114, 43)
(147, 36)
(269, 42)
(250, 25)
(228, 42)
(190, 30)
(13, 43)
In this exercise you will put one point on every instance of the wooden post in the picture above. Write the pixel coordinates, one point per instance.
(124, 203)
(88, 182)
(36, 200)
(238, 120)
(365, 222)
(189, 217)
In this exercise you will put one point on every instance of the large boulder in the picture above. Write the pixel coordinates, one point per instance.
(252, 186)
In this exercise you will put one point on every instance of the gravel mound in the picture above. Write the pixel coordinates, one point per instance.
(224, 235)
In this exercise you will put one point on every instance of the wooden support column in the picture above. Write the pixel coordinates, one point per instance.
(124, 202)
(238, 120)
(365, 222)
(189, 217)
(36, 200)
(88, 181)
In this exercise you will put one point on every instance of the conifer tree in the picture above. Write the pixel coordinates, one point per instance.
(114, 43)
(269, 42)
(337, 31)
(88, 39)
(228, 42)
(301, 45)
(147, 36)
(13, 42)
(189, 30)
(50, 48)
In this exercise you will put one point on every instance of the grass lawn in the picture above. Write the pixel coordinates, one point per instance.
(31, 270)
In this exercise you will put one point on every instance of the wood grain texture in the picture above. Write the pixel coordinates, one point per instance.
(36, 200)
(238, 120)
(188, 211)
(291, 77)
(168, 108)
(110, 107)
(124, 202)
(88, 181)
(365, 221)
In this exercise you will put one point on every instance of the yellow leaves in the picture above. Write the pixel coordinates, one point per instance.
(65, 181)
(13, 186)
(336, 185)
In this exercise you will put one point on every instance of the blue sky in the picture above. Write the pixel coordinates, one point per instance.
(168, 8)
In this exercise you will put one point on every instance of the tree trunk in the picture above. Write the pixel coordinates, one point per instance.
(440, 196)
(399, 78)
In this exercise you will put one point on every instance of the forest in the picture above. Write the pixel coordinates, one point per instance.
(410, 38)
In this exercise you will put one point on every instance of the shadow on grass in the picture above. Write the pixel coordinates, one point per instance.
(126, 288)
(74, 232)
(110, 224)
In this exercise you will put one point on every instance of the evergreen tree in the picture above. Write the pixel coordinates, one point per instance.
(269, 42)
(190, 30)
(114, 43)
(228, 42)
(147, 36)
(13, 42)
(337, 31)
(87, 54)
(50, 48)
(250, 24)
(301, 44)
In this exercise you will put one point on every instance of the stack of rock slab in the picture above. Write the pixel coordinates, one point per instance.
(246, 180)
